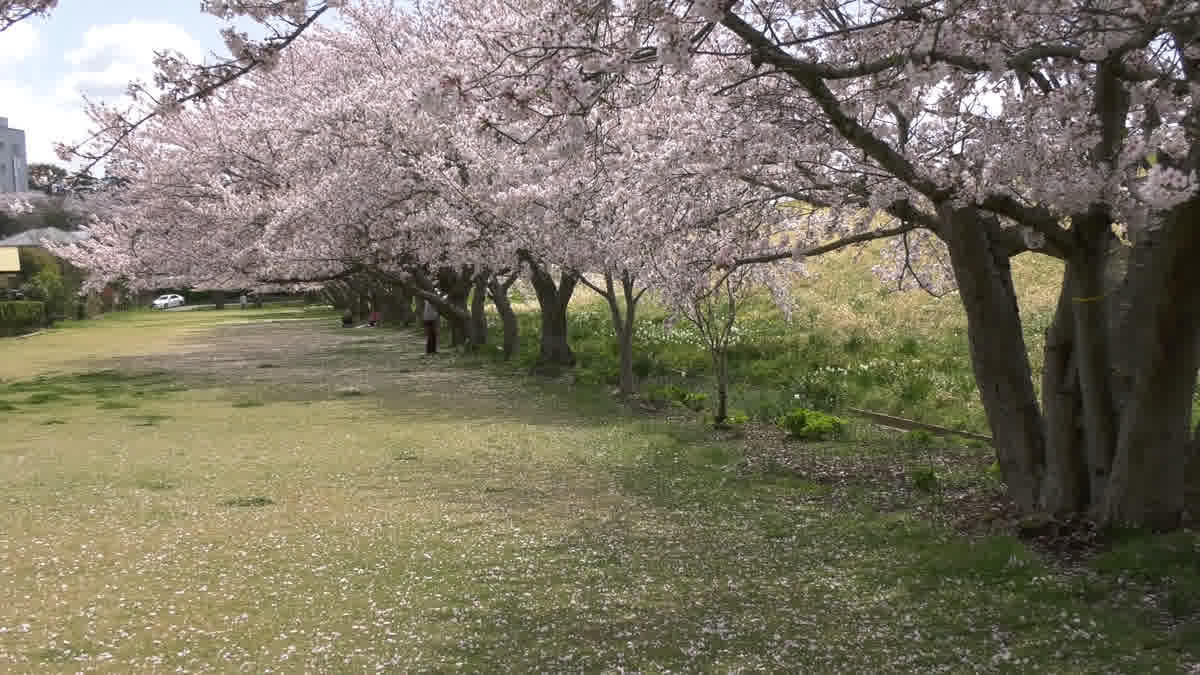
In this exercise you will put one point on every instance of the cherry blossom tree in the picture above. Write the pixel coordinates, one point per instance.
(996, 127)
(15, 11)
(495, 136)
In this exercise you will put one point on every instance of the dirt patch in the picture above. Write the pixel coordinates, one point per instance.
(303, 358)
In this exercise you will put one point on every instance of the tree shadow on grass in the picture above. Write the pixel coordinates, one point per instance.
(702, 590)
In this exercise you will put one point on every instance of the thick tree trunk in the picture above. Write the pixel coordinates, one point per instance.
(1163, 334)
(362, 305)
(998, 354)
(1085, 283)
(458, 329)
(1192, 476)
(1065, 488)
(404, 307)
(219, 299)
(508, 318)
(455, 284)
(457, 287)
(555, 351)
(398, 307)
(479, 328)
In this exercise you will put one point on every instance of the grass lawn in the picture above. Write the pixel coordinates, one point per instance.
(228, 491)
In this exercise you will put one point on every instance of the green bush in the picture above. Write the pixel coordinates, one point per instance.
(917, 439)
(812, 424)
(695, 401)
(21, 316)
(737, 418)
(49, 279)
(925, 479)
(675, 394)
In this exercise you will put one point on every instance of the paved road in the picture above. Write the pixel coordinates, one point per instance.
(187, 308)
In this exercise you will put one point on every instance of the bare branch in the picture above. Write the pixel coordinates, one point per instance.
(860, 238)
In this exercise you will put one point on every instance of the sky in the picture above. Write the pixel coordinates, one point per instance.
(92, 47)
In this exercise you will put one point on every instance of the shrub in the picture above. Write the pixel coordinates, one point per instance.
(812, 424)
(21, 316)
(918, 439)
(924, 479)
(915, 389)
(694, 401)
(49, 279)
(822, 388)
(675, 394)
(764, 405)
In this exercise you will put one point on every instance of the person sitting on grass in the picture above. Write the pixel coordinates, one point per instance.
(373, 318)
(347, 319)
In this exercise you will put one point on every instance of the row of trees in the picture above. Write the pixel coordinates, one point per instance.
(633, 144)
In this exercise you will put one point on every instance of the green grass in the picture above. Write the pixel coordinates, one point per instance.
(459, 519)
(116, 405)
(248, 502)
(848, 343)
(248, 403)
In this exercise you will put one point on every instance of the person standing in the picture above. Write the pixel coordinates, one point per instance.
(242, 301)
(431, 317)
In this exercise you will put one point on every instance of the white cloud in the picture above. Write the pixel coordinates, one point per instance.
(17, 43)
(113, 55)
(109, 58)
(44, 120)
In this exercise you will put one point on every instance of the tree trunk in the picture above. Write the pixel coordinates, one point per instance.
(402, 306)
(1191, 475)
(555, 351)
(1163, 334)
(459, 329)
(508, 318)
(626, 380)
(1065, 488)
(721, 366)
(479, 328)
(456, 286)
(998, 353)
(623, 326)
(1084, 283)
(219, 299)
(362, 305)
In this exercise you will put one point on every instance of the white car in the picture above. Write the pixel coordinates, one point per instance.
(169, 300)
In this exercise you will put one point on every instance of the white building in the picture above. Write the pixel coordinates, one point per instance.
(14, 174)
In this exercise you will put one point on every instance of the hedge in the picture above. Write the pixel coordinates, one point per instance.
(21, 316)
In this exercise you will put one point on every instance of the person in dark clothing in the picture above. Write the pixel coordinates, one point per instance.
(347, 319)
(431, 317)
